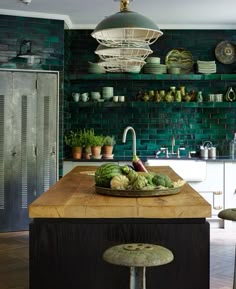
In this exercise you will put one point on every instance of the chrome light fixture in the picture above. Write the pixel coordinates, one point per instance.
(25, 52)
(126, 27)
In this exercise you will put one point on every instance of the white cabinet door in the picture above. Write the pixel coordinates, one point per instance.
(212, 189)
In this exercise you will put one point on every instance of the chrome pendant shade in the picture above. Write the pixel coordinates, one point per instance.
(124, 39)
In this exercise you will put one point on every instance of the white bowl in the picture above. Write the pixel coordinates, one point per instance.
(156, 60)
(95, 95)
(107, 96)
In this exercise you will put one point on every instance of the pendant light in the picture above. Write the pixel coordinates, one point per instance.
(126, 27)
(126, 51)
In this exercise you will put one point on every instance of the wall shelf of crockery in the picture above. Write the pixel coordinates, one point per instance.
(138, 76)
(153, 104)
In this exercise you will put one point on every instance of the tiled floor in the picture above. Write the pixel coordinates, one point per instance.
(222, 252)
(14, 260)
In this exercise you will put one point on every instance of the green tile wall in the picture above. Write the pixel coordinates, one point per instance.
(154, 123)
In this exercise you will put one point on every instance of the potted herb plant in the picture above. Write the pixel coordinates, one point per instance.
(96, 145)
(87, 137)
(108, 144)
(75, 141)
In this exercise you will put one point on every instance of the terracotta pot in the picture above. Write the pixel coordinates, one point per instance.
(77, 153)
(86, 155)
(96, 151)
(107, 150)
(87, 152)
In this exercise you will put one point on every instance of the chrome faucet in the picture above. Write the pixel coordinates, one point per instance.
(134, 137)
(172, 145)
(162, 149)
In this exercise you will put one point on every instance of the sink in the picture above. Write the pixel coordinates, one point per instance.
(188, 169)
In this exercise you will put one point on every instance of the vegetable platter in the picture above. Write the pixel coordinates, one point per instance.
(124, 181)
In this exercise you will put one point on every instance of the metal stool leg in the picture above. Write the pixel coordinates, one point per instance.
(137, 278)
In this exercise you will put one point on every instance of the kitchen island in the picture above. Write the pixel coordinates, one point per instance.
(72, 226)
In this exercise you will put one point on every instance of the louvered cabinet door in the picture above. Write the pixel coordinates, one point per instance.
(28, 142)
(6, 148)
(24, 132)
(47, 130)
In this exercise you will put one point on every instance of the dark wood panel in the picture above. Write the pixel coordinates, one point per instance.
(68, 253)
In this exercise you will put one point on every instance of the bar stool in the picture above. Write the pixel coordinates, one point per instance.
(230, 214)
(138, 256)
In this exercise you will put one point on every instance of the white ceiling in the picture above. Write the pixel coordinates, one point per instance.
(167, 14)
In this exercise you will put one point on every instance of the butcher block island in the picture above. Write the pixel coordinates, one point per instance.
(72, 226)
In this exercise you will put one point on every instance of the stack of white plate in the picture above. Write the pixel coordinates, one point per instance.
(95, 68)
(153, 60)
(206, 67)
(107, 92)
(154, 68)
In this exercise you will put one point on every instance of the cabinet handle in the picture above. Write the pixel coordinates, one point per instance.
(218, 207)
(218, 193)
(53, 151)
(35, 151)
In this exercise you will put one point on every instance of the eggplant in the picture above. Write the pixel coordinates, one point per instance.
(138, 164)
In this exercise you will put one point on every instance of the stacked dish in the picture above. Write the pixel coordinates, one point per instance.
(154, 68)
(95, 68)
(153, 59)
(107, 93)
(206, 67)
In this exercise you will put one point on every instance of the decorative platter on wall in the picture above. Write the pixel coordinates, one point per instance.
(225, 52)
(180, 58)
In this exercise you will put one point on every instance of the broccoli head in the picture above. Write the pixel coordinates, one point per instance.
(162, 180)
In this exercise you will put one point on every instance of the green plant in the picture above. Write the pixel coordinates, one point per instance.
(74, 138)
(88, 136)
(97, 140)
(109, 141)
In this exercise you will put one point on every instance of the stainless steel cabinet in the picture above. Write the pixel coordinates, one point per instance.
(28, 142)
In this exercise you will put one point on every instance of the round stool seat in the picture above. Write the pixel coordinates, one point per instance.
(228, 214)
(138, 255)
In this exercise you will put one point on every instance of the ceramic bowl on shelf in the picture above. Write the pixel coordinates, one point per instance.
(95, 95)
(174, 70)
(152, 59)
(107, 157)
(95, 68)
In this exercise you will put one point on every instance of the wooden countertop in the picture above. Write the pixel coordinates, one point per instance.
(74, 196)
